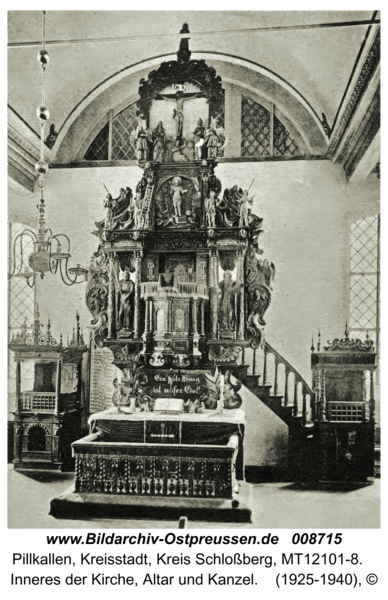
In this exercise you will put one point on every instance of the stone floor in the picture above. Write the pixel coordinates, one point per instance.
(274, 506)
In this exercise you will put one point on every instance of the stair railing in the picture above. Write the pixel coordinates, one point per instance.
(306, 389)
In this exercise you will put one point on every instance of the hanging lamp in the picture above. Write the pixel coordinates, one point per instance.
(43, 259)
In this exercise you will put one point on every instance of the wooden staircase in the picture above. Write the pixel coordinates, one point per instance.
(294, 406)
(281, 388)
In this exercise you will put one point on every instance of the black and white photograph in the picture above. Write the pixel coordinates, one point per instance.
(193, 269)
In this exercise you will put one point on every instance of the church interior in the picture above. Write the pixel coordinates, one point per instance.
(194, 268)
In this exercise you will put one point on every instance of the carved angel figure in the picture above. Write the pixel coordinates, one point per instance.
(244, 209)
(213, 384)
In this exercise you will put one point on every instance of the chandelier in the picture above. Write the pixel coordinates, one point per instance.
(43, 259)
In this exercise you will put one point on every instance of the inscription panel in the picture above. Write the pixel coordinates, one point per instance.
(102, 375)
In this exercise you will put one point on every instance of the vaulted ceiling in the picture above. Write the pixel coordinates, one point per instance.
(315, 54)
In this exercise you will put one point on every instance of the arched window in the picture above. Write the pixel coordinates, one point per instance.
(123, 138)
(259, 137)
(364, 278)
(20, 305)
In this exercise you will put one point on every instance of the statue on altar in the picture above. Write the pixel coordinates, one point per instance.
(227, 308)
(159, 141)
(244, 209)
(211, 139)
(210, 210)
(259, 277)
(127, 299)
(143, 137)
(180, 98)
(119, 211)
(199, 138)
(177, 191)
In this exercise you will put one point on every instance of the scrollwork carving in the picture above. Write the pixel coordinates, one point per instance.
(97, 303)
(259, 276)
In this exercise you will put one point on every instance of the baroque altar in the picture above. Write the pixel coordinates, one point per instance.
(177, 291)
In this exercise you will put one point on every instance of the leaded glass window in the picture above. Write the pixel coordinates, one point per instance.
(123, 138)
(98, 149)
(21, 304)
(364, 278)
(256, 132)
(255, 129)
(123, 134)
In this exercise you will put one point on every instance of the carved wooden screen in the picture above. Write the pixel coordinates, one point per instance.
(364, 278)
(256, 132)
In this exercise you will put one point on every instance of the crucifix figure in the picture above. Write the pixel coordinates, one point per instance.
(179, 98)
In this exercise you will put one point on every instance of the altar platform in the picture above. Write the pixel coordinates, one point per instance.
(166, 465)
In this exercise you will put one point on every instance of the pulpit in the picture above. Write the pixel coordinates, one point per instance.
(48, 417)
(344, 410)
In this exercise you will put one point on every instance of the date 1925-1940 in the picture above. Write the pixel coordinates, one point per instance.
(347, 579)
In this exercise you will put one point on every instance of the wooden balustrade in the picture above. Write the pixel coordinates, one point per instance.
(38, 400)
(299, 382)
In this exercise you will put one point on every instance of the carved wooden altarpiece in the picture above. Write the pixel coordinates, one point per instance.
(177, 290)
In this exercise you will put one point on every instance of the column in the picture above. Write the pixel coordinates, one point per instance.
(213, 294)
(240, 279)
(136, 323)
(58, 387)
(169, 314)
(111, 299)
(194, 315)
(232, 120)
(147, 315)
(202, 317)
